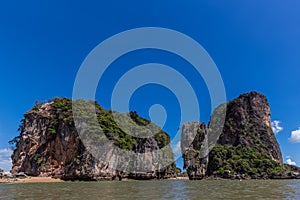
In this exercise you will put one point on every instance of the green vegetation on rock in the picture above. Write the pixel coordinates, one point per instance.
(241, 160)
(61, 110)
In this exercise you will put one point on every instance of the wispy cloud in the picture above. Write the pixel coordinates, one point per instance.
(177, 148)
(276, 126)
(289, 161)
(5, 159)
(295, 136)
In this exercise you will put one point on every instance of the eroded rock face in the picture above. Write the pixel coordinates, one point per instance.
(248, 123)
(194, 149)
(246, 136)
(49, 145)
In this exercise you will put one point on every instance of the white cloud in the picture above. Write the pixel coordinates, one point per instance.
(289, 161)
(295, 136)
(5, 159)
(177, 148)
(276, 126)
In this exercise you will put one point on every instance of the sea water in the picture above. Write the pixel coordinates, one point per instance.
(166, 189)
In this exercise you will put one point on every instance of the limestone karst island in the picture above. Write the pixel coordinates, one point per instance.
(49, 146)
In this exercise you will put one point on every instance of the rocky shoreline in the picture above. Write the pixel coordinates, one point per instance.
(30, 179)
(254, 177)
(33, 179)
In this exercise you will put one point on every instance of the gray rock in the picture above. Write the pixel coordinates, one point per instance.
(58, 151)
(247, 124)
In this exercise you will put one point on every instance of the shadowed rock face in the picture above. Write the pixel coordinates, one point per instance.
(49, 145)
(194, 149)
(248, 123)
(246, 136)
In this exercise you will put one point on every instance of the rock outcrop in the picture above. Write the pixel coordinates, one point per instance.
(248, 123)
(194, 149)
(49, 145)
(246, 146)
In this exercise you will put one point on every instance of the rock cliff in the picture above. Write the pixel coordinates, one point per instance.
(246, 146)
(49, 145)
(195, 155)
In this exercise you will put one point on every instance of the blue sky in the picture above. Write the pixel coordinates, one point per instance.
(255, 44)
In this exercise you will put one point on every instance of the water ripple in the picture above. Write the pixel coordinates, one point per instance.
(221, 189)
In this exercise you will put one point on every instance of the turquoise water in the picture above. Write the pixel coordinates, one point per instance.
(205, 189)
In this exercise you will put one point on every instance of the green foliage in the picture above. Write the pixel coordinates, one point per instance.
(162, 139)
(39, 160)
(137, 119)
(288, 167)
(178, 171)
(36, 106)
(62, 109)
(242, 160)
(52, 130)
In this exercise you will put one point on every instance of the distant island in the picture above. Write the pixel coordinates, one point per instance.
(49, 145)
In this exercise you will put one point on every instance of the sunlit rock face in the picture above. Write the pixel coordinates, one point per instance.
(49, 145)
